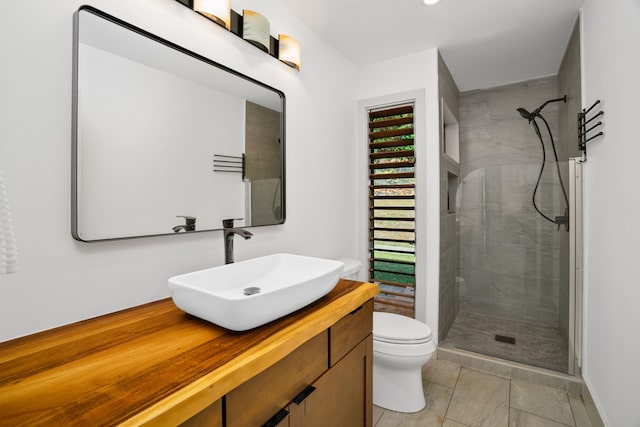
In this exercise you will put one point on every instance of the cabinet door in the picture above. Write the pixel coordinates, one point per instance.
(343, 395)
(260, 398)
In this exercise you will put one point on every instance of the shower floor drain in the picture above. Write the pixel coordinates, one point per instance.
(505, 339)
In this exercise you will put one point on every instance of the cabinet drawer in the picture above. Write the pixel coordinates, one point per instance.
(350, 331)
(257, 400)
(211, 416)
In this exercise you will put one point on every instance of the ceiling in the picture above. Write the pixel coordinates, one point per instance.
(485, 43)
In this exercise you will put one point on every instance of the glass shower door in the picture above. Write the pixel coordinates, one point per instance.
(514, 279)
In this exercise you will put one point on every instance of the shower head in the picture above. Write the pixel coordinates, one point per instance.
(530, 116)
(527, 115)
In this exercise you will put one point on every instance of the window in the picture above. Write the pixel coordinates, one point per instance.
(392, 186)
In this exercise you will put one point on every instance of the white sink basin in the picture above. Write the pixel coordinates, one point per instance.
(250, 293)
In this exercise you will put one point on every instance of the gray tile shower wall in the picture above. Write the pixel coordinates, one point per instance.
(509, 255)
(569, 77)
(449, 226)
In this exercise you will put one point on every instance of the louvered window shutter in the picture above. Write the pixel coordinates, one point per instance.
(392, 189)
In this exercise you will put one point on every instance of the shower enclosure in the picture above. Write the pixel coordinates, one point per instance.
(516, 214)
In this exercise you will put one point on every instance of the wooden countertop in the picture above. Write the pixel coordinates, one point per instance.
(152, 364)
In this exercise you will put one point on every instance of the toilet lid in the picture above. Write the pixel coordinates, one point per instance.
(394, 328)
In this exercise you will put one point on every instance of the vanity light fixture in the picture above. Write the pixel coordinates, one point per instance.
(430, 2)
(255, 29)
(251, 27)
(219, 11)
(289, 51)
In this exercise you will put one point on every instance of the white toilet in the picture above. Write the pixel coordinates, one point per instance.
(401, 346)
(351, 268)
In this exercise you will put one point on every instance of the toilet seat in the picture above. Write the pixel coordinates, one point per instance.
(396, 329)
(398, 335)
(404, 350)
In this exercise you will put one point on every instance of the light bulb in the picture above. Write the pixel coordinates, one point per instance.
(289, 51)
(219, 11)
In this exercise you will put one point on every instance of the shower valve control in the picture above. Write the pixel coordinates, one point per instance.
(562, 220)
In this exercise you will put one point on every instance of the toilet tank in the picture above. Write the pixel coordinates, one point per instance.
(351, 268)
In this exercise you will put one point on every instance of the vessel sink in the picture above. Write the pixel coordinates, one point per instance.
(248, 294)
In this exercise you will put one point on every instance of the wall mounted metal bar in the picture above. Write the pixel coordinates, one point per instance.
(233, 164)
(584, 130)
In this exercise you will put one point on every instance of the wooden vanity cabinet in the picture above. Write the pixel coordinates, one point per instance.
(325, 382)
(155, 365)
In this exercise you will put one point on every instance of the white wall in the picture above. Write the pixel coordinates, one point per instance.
(408, 77)
(611, 69)
(60, 280)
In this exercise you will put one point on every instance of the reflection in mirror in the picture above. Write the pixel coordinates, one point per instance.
(167, 141)
(263, 163)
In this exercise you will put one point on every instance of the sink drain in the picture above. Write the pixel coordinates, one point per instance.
(251, 290)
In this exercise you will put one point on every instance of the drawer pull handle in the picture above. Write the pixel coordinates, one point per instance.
(356, 310)
(303, 395)
(275, 420)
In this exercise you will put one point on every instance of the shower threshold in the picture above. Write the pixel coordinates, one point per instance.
(512, 370)
(533, 344)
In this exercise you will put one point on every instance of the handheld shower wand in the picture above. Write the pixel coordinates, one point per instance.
(531, 117)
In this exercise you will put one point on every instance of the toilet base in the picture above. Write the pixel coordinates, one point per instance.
(397, 382)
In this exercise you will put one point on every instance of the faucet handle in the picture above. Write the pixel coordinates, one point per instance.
(190, 222)
(228, 223)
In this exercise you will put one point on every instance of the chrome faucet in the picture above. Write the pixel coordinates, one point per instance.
(229, 232)
(189, 226)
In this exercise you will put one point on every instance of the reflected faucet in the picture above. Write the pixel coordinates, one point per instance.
(229, 232)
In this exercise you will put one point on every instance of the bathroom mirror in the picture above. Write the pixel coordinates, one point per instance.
(166, 141)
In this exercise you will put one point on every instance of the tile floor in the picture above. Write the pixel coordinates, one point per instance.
(461, 397)
(536, 345)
